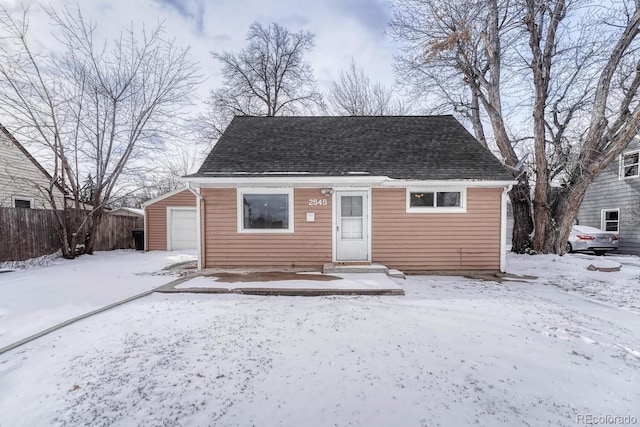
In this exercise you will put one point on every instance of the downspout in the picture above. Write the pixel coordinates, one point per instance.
(196, 192)
(503, 228)
(146, 232)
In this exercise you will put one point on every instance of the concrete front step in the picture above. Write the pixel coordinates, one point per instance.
(329, 268)
(397, 274)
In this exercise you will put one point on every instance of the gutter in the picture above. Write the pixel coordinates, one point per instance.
(196, 192)
(336, 181)
(503, 228)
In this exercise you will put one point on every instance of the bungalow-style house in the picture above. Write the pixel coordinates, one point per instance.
(415, 193)
(612, 201)
(23, 181)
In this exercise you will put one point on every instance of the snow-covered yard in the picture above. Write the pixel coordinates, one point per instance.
(35, 299)
(452, 351)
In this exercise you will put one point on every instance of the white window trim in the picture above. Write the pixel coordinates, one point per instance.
(240, 210)
(621, 171)
(603, 221)
(29, 199)
(436, 210)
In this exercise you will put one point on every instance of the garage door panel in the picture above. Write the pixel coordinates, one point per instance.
(183, 231)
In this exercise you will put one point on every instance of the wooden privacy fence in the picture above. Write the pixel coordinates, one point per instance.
(30, 233)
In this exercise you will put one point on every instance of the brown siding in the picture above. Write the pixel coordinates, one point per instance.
(308, 246)
(156, 219)
(422, 242)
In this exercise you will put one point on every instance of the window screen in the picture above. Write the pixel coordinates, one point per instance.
(439, 199)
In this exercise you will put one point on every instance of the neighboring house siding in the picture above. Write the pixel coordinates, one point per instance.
(156, 219)
(431, 241)
(20, 177)
(610, 192)
(309, 246)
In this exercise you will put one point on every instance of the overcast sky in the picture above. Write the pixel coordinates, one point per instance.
(342, 28)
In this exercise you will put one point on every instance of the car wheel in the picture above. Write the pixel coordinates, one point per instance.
(568, 249)
(599, 253)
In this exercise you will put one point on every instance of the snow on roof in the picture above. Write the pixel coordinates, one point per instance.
(119, 211)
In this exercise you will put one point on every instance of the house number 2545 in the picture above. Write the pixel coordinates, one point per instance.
(318, 202)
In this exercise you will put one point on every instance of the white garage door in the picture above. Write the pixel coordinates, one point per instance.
(182, 229)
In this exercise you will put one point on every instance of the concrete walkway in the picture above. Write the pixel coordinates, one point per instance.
(256, 283)
(70, 321)
(286, 284)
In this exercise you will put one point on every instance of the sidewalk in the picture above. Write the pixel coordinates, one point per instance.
(286, 283)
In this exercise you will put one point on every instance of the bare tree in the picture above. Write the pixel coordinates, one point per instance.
(96, 107)
(169, 166)
(269, 77)
(455, 49)
(583, 84)
(355, 95)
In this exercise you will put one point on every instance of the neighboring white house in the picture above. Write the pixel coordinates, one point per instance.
(23, 181)
(128, 212)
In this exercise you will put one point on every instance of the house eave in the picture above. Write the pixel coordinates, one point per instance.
(163, 196)
(338, 181)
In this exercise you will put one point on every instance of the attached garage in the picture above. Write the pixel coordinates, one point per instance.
(170, 222)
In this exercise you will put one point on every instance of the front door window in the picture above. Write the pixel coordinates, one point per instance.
(352, 219)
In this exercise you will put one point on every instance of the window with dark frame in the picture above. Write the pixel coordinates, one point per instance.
(435, 199)
(630, 162)
(265, 211)
(22, 203)
(611, 220)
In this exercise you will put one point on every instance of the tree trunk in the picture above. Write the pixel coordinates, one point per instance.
(542, 218)
(67, 253)
(565, 210)
(476, 120)
(69, 241)
(93, 224)
(522, 223)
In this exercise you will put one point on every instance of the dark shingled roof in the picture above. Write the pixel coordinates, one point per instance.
(400, 147)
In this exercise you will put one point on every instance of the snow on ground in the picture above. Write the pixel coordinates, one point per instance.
(35, 299)
(452, 351)
(570, 274)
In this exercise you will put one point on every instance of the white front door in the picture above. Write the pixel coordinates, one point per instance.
(352, 216)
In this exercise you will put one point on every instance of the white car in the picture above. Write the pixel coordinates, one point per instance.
(590, 239)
